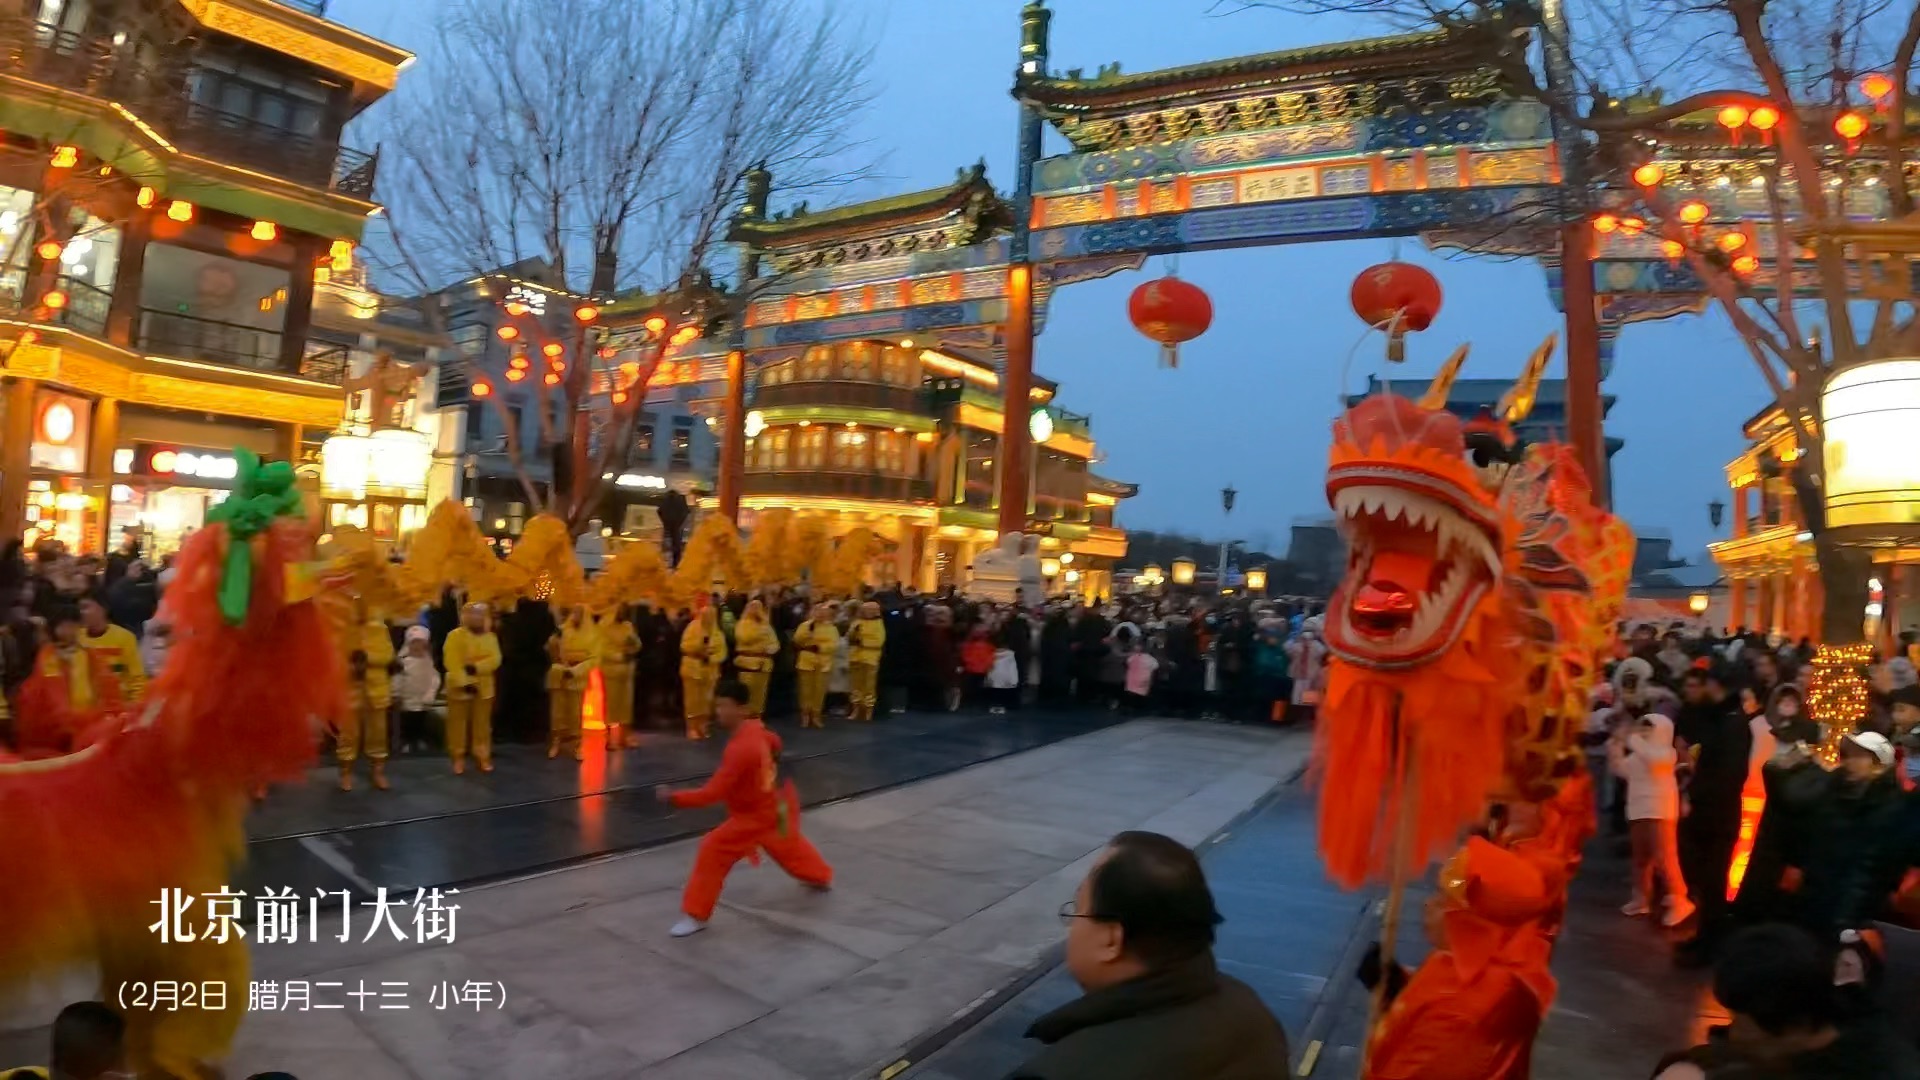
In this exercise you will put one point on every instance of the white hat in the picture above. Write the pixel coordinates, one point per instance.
(1873, 743)
(417, 632)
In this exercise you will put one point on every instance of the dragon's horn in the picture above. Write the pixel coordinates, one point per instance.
(1436, 396)
(1518, 401)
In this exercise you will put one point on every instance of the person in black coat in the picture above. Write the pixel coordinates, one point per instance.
(1090, 631)
(1713, 724)
(1140, 933)
(1851, 857)
(1056, 659)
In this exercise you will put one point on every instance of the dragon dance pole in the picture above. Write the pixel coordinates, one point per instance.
(1404, 821)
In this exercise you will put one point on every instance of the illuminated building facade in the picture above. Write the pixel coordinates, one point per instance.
(672, 447)
(1772, 575)
(172, 190)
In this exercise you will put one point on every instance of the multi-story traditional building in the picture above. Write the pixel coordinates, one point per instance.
(853, 412)
(905, 440)
(172, 183)
(1773, 575)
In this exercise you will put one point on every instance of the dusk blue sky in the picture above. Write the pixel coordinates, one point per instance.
(1251, 402)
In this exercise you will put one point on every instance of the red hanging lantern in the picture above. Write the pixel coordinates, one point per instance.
(1170, 311)
(1396, 297)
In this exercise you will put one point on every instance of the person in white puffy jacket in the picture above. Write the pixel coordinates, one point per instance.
(1642, 754)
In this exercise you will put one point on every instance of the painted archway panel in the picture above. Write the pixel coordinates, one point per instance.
(1300, 221)
(1507, 125)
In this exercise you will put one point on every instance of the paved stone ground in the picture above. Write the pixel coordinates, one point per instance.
(947, 890)
(434, 828)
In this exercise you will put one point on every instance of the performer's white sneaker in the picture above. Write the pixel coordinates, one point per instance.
(688, 926)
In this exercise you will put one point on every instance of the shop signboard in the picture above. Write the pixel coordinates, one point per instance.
(61, 423)
(188, 466)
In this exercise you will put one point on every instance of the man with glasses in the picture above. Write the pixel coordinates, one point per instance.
(1140, 943)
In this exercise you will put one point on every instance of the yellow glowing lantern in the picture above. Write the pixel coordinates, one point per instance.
(516, 308)
(508, 333)
(180, 210)
(265, 230)
(553, 378)
(145, 198)
(1745, 264)
(516, 374)
(54, 300)
(1764, 118)
(1650, 174)
(1875, 86)
(1605, 223)
(1183, 571)
(1050, 567)
(48, 250)
(1257, 579)
(586, 313)
(1672, 249)
(1698, 603)
(552, 349)
(1850, 125)
(1734, 117)
(1868, 412)
(66, 157)
(1732, 242)
(1693, 212)
(482, 388)
(1633, 226)
(619, 397)
(656, 325)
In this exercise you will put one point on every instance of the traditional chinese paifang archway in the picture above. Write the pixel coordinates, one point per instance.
(1412, 134)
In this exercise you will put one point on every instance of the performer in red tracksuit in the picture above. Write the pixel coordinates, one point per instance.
(762, 813)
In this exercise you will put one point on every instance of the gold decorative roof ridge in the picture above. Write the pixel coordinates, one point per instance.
(928, 204)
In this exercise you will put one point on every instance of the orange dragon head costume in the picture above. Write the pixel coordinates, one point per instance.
(156, 800)
(1417, 687)
(1481, 583)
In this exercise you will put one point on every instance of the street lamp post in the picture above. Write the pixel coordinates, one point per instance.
(1227, 496)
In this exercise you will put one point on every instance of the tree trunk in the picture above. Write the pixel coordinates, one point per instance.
(1843, 574)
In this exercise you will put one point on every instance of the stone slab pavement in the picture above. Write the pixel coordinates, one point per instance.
(946, 893)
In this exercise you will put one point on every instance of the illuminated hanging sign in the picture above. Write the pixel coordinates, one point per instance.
(392, 463)
(645, 483)
(186, 465)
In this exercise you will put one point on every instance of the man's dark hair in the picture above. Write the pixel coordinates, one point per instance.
(733, 690)
(1905, 695)
(1778, 975)
(87, 1040)
(1153, 887)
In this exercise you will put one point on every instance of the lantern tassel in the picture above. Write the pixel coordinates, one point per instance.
(1396, 347)
(1169, 355)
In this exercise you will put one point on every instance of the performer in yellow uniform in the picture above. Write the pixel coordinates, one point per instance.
(703, 648)
(472, 655)
(575, 648)
(369, 696)
(865, 638)
(754, 647)
(816, 640)
(117, 646)
(619, 648)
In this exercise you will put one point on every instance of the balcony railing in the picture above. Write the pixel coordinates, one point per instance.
(845, 485)
(186, 337)
(842, 392)
(95, 66)
(325, 363)
(85, 309)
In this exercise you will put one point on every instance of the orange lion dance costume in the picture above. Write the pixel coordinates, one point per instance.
(157, 799)
(1481, 587)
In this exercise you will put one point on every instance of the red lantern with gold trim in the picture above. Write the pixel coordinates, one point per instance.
(1171, 312)
(1396, 297)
